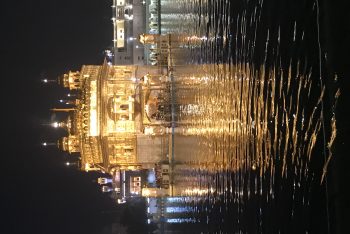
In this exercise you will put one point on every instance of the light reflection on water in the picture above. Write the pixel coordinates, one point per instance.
(249, 113)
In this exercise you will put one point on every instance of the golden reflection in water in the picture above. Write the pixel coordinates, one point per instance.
(249, 118)
(247, 125)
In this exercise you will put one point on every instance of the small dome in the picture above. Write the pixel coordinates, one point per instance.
(63, 144)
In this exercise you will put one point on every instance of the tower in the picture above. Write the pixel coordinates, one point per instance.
(70, 144)
(71, 80)
(67, 124)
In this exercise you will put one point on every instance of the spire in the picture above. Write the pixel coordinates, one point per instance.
(62, 109)
(45, 81)
(48, 143)
(69, 102)
(67, 124)
(69, 143)
(71, 80)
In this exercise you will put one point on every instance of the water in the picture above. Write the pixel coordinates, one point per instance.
(252, 140)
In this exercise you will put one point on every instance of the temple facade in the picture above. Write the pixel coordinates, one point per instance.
(109, 125)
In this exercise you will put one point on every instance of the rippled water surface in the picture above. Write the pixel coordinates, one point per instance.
(252, 140)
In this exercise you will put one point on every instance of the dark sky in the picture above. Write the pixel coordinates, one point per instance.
(40, 39)
(45, 38)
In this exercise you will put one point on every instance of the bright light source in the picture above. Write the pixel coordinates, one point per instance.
(68, 94)
(44, 144)
(67, 163)
(45, 80)
(121, 201)
(55, 125)
(61, 100)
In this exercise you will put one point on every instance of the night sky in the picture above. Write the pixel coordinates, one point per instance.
(45, 38)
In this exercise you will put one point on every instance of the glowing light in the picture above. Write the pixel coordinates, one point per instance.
(44, 144)
(183, 220)
(121, 201)
(47, 81)
(87, 167)
(177, 199)
(67, 163)
(93, 109)
(55, 125)
(254, 167)
(146, 192)
(177, 209)
(200, 192)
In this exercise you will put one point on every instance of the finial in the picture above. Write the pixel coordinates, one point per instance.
(47, 143)
(48, 81)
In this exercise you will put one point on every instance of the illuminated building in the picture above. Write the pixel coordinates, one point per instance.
(129, 20)
(107, 123)
(120, 120)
